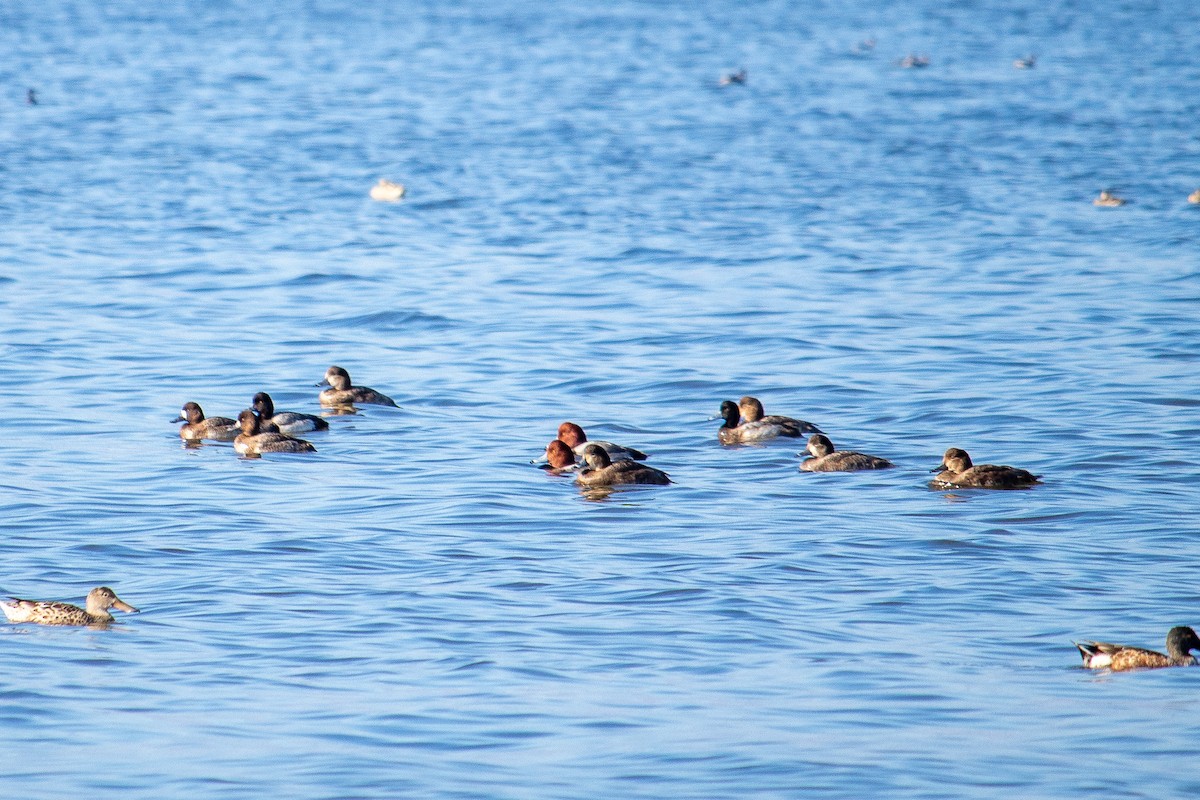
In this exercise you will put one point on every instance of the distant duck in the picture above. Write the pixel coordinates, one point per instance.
(342, 393)
(558, 457)
(730, 78)
(1181, 641)
(1194, 197)
(864, 47)
(826, 459)
(1108, 200)
(31, 97)
(99, 601)
(1029, 62)
(755, 426)
(253, 441)
(289, 422)
(217, 429)
(956, 470)
(600, 470)
(913, 61)
(574, 437)
(387, 191)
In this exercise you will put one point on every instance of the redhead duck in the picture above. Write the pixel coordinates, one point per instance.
(217, 429)
(253, 441)
(387, 191)
(99, 601)
(826, 459)
(573, 436)
(342, 393)
(755, 427)
(272, 421)
(957, 470)
(558, 457)
(1108, 200)
(1181, 641)
(600, 470)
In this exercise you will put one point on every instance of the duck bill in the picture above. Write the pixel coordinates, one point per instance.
(179, 419)
(123, 606)
(941, 468)
(322, 383)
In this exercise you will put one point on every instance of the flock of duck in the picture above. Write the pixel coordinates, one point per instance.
(262, 429)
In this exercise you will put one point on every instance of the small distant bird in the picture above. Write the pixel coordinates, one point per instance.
(913, 61)
(1194, 197)
(31, 97)
(865, 46)
(731, 78)
(1029, 62)
(1108, 200)
(1181, 640)
(387, 191)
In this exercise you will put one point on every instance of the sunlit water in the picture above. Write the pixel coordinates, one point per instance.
(596, 231)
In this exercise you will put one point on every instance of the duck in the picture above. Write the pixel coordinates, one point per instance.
(573, 436)
(1029, 62)
(99, 601)
(600, 470)
(913, 61)
(957, 469)
(1181, 640)
(730, 78)
(558, 457)
(289, 422)
(1194, 197)
(253, 441)
(342, 393)
(1107, 199)
(387, 191)
(755, 427)
(826, 459)
(217, 429)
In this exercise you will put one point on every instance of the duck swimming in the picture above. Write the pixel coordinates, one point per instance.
(253, 441)
(1181, 640)
(99, 601)
(289, 422)
(1194, 197)
(826, 459)
(573, 436)
(1108, 200)
(387, 191)
(558, 457)
(600, 470)
(217, 429)
(756, 427)
(342, 393)
(957, 470)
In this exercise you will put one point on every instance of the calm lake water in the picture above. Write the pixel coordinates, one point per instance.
(595, 230)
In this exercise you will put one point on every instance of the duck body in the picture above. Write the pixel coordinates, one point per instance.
(745, 423)
(600, 470)
(387, 191)
(1194, 197)
(1181, 640)
(826, 459)
(573, 436)
(270, 420)
(342, 393)
(253, 441)
(1107, 199)
(956, 470)
(559, 458)
(217, 429)
(99, 601)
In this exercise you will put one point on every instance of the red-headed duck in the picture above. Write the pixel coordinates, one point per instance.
(270, 420)
(826, 459)
(600, 470)
(957, 470)
(342, 393)
(252, 441)
(1181, 641)
(99, 601)
(558, 457)
(573, 436)
(217, 429)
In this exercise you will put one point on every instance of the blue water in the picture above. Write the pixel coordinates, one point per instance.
(596, 231)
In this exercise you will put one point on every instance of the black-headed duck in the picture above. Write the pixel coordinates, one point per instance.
(573, 436)
(217, 429)
(600, 470)
(1107, 199)
(387, 191)
(99, 601)
(289, 422)
(826, 459)
(253, 441)
(754, 426)
(1181, 640)
(956, 469)
(342, 393)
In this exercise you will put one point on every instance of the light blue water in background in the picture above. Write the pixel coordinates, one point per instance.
(596, 231)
